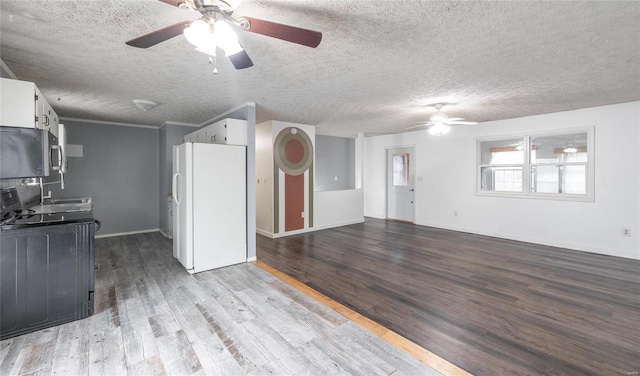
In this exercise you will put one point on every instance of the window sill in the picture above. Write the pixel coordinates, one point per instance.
(537, 196)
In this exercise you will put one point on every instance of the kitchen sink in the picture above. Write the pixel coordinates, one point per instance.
(63, 205)
(80, 200)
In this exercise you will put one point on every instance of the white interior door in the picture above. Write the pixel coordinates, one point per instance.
(400, 184)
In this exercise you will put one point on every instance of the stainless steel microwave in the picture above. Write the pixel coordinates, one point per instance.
(27, 152)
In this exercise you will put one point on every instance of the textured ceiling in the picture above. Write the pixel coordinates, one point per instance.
(379, 66)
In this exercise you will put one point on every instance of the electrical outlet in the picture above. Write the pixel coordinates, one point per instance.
(626, 232)
(301, 214)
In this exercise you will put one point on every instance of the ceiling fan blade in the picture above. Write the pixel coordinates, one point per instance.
(241, 60)
(288, 33)
(155, 37)
(419, 126)
(175, 3)
(460, 122)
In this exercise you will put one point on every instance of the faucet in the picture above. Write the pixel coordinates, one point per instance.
(42, 196)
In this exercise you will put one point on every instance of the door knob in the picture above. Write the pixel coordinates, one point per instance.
(411, 190)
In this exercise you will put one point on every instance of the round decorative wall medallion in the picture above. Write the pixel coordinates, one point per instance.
(293, 151)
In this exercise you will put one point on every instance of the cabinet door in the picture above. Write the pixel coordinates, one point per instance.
(223, 132)
(49, 118)
(18, 105)
(46, 118)
(211, 134)
(220, 133)
(202, 135)
(236, 132)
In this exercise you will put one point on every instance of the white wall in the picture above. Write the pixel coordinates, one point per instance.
(337, 208)
(446, 173)
(264, 178)
(330, 208)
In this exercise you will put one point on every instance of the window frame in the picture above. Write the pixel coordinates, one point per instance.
(527, 166)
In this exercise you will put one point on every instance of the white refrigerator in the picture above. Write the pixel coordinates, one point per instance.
(209, 205)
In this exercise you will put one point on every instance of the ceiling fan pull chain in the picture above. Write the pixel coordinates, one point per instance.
(215, 64)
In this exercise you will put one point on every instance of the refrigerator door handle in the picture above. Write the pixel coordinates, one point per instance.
(174, 188)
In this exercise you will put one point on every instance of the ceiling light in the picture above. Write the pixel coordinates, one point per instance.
(206, 38)
(438, 117)
(200, 34)
(226, 38)
(439, 129)
(144, 105)
(570, 149)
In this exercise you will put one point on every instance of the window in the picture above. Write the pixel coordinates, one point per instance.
(501, 165)
(558, 165)
(401, 168)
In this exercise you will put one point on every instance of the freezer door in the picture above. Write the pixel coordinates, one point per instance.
(183, 204)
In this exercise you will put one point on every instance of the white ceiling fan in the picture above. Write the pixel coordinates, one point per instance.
(440, 124)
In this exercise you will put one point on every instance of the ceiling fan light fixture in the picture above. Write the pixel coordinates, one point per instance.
(199, 33)
(209, 49)
(439, 129)
(227, 39)
(438, 117)
(570, 149)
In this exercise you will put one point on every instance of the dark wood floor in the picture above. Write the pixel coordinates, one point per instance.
(489, 305)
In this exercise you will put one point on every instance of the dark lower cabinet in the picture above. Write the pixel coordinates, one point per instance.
(47, 276)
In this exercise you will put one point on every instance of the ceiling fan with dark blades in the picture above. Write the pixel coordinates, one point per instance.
(215, 29)
(440, 123)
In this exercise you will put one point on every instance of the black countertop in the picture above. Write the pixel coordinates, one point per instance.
(38, 220)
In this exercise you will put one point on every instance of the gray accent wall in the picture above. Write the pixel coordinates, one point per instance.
(119, 170)
(335, 157)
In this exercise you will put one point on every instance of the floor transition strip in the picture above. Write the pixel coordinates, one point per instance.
(418, 352)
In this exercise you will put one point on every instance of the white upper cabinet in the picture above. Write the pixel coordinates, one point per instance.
(227, 131)
(23, 105)
(48, 118)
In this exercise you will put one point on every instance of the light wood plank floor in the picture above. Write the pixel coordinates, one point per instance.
(153, 318)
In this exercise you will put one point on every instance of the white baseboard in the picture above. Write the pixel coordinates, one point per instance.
(250, 259)
(128, 233)
(264, 233)
(332, 225)
(165, 234)
(306, 230)
(535, 240)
